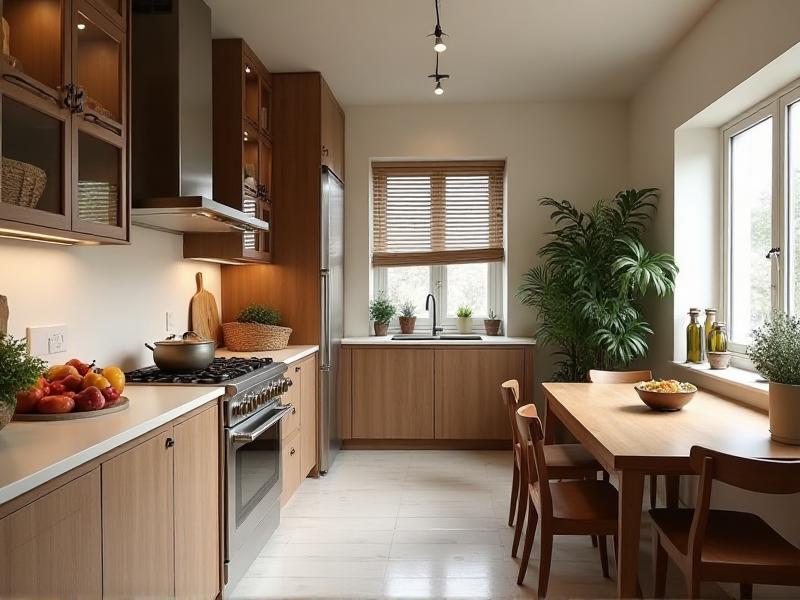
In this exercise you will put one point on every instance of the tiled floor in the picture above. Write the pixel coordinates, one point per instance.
(415, 524)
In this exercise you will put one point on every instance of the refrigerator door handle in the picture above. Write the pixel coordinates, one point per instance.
(325, 341)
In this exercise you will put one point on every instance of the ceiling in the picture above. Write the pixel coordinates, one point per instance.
(377, 52)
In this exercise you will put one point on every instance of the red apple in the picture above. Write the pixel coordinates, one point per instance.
(83, 368)
(55, 405)
(111, 395)
(28, 399)
(57, 388)
(90, 399)
(73, 383)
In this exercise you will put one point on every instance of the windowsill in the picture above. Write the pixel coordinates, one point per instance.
(740, 384)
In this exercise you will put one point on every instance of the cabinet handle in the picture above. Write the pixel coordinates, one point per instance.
(92, 118)
(297, 369)
(291, 452)
(170, 442)
(324, 151)
(31, 86)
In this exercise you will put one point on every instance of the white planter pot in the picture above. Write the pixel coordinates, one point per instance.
(464, 324)
(784, 413)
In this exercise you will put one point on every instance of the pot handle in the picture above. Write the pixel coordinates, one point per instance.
(150, 347)
(191, 334)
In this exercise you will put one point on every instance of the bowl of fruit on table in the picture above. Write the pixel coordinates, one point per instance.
(71, 391)
(665, 394)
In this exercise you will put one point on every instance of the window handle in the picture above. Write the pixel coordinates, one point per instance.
(773, 252)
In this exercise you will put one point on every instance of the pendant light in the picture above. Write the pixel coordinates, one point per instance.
(438, 34)
(437, 77)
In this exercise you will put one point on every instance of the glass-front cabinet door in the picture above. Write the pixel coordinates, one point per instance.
(34, 63)
(98, 140)
(116, 10)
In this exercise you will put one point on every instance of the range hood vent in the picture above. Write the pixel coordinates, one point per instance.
(172, 122)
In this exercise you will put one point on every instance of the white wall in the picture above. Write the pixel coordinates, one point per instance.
(112, 298)
(573, 151)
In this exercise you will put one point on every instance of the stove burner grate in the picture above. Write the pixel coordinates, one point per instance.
(221, 370)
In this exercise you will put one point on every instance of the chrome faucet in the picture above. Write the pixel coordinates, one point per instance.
(436, 330)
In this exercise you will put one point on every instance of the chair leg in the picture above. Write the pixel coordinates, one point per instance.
(603, 556)
(616, 554)
(522, 503)
(745, 591)
(659, 568)
(594, 541)
(514, 492)
(530, 533)
(692, 586)
(653, 490)
(545, 556)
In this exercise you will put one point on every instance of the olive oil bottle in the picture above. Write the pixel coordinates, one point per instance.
(711, 318)
(718, 340)
(695, 339)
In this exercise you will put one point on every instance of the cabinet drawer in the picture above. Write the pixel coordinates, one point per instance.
(290, 466)
(291, 422)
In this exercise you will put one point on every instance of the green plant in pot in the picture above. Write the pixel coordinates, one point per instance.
(381, 311)
(492, 324)
(464, 314)
(19, 371)
(407, 318)
(589, 289)
(775, 352)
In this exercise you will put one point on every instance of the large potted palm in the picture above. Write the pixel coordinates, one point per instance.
(589, 288)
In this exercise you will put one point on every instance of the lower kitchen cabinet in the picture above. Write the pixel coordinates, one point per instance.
(290, 466)
(51, 548)
(299, 428)
(308, 406)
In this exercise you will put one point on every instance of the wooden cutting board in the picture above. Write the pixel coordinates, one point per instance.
(3, 315)
(204, 312)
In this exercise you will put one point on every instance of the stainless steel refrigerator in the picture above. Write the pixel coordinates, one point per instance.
(332, 318)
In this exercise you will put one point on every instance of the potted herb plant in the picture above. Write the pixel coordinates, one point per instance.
(775, 352)
(256, 329)
(407, 319)
(492, 324)
(381, 311)
(464, 314)
(19, 372)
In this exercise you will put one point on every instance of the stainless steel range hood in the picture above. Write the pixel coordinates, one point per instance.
(171, 136)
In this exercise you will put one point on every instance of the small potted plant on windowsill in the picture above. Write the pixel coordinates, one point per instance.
(775, 352)
(407, 319)
(492, 324)
(464, 314)
(381, 311)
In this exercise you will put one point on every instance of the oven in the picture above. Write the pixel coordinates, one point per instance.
(253, 486)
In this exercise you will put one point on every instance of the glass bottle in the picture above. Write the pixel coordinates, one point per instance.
(711, 318)
(718, 340)
(694, 338)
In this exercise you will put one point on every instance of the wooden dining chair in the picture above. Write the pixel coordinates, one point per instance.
(580, 507)
(597, 376)
(723, 545)
(566, 461)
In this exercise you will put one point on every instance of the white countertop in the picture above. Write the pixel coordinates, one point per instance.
(288, 355)
(34, 452)
(486, 340)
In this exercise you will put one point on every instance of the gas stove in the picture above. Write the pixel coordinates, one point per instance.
(221, 370)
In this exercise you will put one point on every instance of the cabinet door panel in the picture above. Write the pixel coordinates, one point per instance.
(51, 548)
(138, 553)
(392, 391)
(290, 466)
(291, 422)
(468, 382)
(197, 518)
(308, 429)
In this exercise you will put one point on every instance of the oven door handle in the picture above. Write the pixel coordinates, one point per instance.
(245, 437)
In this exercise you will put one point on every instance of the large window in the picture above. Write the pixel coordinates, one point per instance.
(438, 228)
(762, 215)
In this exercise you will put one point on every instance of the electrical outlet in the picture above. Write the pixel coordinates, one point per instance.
(170, 321)
(46, 340)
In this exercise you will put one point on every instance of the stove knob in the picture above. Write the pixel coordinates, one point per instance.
(285, 385)
(271, 391)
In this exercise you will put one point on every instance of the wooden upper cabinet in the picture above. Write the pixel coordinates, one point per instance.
(332, 134)
(392, 393)
(64, 96)
(138, 542)
(468, 382)
(51, 548)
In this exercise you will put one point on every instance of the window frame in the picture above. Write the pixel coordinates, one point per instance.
(775, 107)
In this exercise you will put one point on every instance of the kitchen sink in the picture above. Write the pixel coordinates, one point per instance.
(423, 337)
(460, 336)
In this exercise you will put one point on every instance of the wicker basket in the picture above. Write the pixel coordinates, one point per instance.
(23, 184)
(254, 337)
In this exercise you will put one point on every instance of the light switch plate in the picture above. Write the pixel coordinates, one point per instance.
(170, 321)
(47, 340)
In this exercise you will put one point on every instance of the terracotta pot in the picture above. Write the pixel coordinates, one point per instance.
(492, 326)
(719, 360)
(381, 329)
(407, 324)
(464, 324)
(784, 413)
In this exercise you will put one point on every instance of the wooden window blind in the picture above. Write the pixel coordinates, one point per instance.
(433, 213)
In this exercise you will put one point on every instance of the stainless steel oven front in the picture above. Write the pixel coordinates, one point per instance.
(253, 487)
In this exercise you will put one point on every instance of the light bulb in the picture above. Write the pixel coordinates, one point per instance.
(438, 90)
(438, 44)
(247, 69)
(81, 26)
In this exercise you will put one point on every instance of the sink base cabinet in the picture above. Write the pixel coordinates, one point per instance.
(429, 397)
(140, 521)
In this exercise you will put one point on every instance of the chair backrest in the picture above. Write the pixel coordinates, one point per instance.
(509, 392)
(752, 474)
(532, 433)
(597, 376)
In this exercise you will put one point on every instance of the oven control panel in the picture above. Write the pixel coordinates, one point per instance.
(251, 401)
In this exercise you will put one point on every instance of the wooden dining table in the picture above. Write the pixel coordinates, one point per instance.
(628, 438)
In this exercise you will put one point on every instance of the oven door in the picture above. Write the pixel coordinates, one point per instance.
(253, 476)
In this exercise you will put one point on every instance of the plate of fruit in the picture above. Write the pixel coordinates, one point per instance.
(75, 390)
(665, 394)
